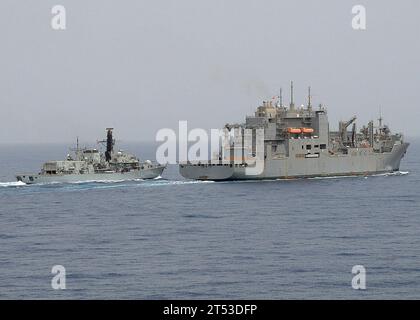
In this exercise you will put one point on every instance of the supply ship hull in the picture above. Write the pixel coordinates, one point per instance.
(297, 143)
(361, 162)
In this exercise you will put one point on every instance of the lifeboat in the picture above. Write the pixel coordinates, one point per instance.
(294, 130)
(307, 130)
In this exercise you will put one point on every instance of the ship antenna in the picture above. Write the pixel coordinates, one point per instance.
(292, 105)
(309, 99)
(380, 117)
(281, 97)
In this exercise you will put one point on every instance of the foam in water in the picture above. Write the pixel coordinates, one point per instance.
(159, 181)
(389, 174)
(12, 184)
(386, 174)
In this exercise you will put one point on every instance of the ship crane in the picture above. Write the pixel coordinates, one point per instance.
(353, 135)
(343, 125)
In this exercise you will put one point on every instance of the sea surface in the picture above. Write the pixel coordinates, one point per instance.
(171, 238)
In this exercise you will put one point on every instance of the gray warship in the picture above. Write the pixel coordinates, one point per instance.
(92, 165)
(299, 144)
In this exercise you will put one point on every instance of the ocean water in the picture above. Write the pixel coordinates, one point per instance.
(176, 239)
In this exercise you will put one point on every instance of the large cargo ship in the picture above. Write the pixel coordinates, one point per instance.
(298, 143)
(89, 164)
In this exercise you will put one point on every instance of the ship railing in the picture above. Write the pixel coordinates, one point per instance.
(215, 162)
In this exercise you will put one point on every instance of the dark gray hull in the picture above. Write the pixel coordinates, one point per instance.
(359, 161)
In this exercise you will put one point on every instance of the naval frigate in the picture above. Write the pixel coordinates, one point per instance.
(89, 164)
(297, 143)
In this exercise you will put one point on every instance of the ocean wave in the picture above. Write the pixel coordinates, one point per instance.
(175, 182)
(101, 184)
(159, 181)
(385, 174)
(97, 181)
(12, 184)
(138, 183)
(390, 174)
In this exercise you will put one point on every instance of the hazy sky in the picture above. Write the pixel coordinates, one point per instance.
(143, 65)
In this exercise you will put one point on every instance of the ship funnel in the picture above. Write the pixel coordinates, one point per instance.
(109, 144)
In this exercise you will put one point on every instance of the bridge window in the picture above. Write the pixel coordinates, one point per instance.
(308, 147)
(323, 146)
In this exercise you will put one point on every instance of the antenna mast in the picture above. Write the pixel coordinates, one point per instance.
(309, 99)
(281, 97)
(292, 105)
(380, 117)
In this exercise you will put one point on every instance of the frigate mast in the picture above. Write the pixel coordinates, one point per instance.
(292, 104)
(280, 102)
(380, 117)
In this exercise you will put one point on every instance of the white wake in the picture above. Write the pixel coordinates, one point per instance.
(12, 184)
